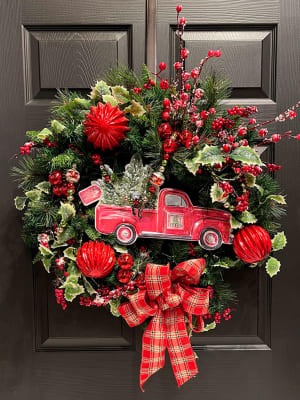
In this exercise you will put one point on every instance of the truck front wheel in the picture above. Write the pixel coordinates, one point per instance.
(125, 234)
(210, 239)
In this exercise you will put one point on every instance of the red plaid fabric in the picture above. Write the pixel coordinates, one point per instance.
(168, 298)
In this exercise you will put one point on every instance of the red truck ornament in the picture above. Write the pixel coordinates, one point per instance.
(175, 218)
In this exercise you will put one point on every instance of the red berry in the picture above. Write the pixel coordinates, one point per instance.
(55, 178)
(184, 97)
(164, 84)
(164, 130)
(162, 66)
(276, 137)
(166, 102)
(107, 178)
(165, 115)
(66, 273)
(185, 76)
(262, 133)
(96, 158)
(204, 114)
(298, 136)
(292, 114)
(218, 53)
(195, 73)
(177, 65)
(184, 53)
(210, 53)
(182, 21)
(212, 110)
(125, 261)
(187, 86)
(179, 8)
(226, 148)
(252, 121)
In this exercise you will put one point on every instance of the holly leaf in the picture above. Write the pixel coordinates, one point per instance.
(73, 290)
(20, 202)
(135, 109)
(209, 327)
(33, 195)
(253, 265)
(260, 189)
(235, 224)
(246, 155)
(70, 253)
(89, 288)
(248, 218)
(67, 234)
(84, 103)
(279, 241)
(108, 98)
(273, 266)
(120, 249)
(67, 211)
(45, 251)
(192, 165)
(100, 89)
(43, 134)
(47, 263)
(210, 155)
(120, 94)
(57, 126)
(250, 180)
(217, 194)
(44, 187)
(114, 305)
(275, 197)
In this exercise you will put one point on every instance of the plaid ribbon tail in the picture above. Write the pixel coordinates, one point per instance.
(179, 346)
(154, 346)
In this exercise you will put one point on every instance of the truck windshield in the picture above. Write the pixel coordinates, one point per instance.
(173, 200)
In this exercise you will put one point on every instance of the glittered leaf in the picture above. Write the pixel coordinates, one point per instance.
(135, 109)
(67, 211)
(57, 126)
(73, 290)
(44, 187)
(45, 251)
(246, 155)
(272, 266)
(248, 218)
(20, 202)
(108, 98)
(114, 304)
(70, 253)
(209, 327)
(100, 89)
(235, 224)
(45, 133)
(120, 94)
(192, 165)
(279, 241)
(217, 194)
(209, 155)
(33, 195)
(277, 198)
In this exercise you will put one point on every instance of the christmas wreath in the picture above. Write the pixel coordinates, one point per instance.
(137, 198)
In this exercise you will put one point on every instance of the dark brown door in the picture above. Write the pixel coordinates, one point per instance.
(47, 353)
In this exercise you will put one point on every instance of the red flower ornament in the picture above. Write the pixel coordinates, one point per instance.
(105, 126)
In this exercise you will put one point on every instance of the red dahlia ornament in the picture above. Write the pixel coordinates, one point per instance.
(105, 126)
(95, 259)
(252, 244)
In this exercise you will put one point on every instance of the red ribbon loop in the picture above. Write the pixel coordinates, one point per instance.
(168, 298)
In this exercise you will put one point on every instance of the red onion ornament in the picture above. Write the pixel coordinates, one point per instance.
(252, 244)
(95, 259)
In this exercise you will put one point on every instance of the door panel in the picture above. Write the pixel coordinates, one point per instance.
(82, 353)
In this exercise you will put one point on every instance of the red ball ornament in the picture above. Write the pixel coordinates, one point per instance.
(95, 259)
(179, 8)
(164, 84)
(184, 53)
(252, 244)
(162, 66)
(169, 146)
(177, 66)
(55, 178)
(165, 115)
(185, 136)
(124, 276)
(105, 126)
(125, 261)
(164, 130)
(166, 102)
(72, 176)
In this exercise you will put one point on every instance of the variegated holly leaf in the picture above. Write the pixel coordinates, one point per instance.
(224, 262)
(47, 263)
(70, 253)
(217, 194)
(120, 249)
(192, 165)
(120, 94)
(44, 134)
(84, 103)
(20, 202)
(45, 251)
(44, 187)
(250, 180)
(246, 155)
(279, 241)
(260, 189)
(210, 155)
(65, 235)
(71, 285)
(209, 327)
(67, 211)
(277, 198)
(57, 126)
(135, 109)
(235, 224)
(273, 266)
(89, 288)
(108, 98)
(114, 304)
(248, 218)
(33, 195)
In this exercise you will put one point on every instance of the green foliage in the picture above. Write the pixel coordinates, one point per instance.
(279, 241)
(272, 266)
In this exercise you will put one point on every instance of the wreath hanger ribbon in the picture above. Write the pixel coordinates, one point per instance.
(168, 298)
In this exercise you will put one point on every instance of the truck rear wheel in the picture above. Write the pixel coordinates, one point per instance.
(125, 234)
(210, 239)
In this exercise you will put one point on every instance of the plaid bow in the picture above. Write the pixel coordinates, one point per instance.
(168, 297)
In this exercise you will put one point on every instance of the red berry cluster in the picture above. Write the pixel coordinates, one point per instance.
(244, 112)
(273, 167)
(149, 85)
(222, 123)
(96, 159)
(226, 314)
(60, 188)
(47, 142)
(137, 90)
(242, 202)
(125, 262)
(254, 170)
(226, 187)
(26, 148)
(60, 299)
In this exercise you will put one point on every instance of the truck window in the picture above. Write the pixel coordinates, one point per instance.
(173, 200)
